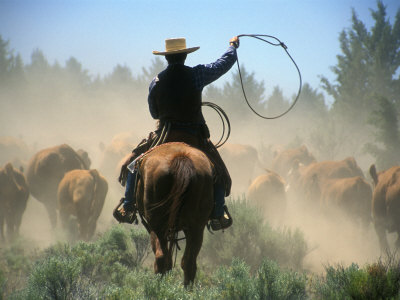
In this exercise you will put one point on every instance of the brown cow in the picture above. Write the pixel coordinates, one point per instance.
(82, 193)
(121, 145)
(386, 204)
(14, 194)
(267, 191)
(289, 158)
(240, 161)
(351, 195)
(46, 169)
(308, 185)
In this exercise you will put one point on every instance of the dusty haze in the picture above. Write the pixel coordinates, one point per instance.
(43, 115)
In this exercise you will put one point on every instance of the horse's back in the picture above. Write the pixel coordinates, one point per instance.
(162, 157)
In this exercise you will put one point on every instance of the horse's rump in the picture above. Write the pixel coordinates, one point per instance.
(176, 181)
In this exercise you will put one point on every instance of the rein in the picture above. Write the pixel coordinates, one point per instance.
(173, 239)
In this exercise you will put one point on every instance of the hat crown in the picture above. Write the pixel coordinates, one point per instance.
(175, 44)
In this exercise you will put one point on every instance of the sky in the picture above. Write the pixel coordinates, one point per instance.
(101, 34)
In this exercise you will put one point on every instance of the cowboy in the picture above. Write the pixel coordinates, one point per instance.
(175, 101)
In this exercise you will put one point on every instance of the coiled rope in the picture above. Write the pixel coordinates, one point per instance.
(279, 43)
(224, 118)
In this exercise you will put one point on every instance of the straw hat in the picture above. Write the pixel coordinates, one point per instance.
(175, 46)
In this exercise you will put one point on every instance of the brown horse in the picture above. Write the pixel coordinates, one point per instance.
(174, 193)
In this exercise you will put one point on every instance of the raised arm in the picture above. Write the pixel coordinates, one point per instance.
(205, 74)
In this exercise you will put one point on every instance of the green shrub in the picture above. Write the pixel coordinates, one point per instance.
(227, 282)
(15, 263)
(144, 284)
(2, 283)
(55, 277)
(141, 240)
(375, 281)
(85, 270)
(235, 281)
(252, 239)
(110, 268)
(274, 283)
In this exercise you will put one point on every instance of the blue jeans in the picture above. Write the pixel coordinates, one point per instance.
(129, 201)
(219, 199)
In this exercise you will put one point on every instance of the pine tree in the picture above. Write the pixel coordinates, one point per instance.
(276, 103)
(387, 136)
(367, 65)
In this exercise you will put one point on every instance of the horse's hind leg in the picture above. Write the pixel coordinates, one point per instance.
(163, 261)
(194, 240)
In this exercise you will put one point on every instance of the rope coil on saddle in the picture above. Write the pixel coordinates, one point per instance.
(224, 118)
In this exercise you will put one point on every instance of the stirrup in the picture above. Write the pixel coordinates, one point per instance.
(222, 222)
(124, 217)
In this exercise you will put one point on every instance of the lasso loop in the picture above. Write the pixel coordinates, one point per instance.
(279, 43)
(221, 112)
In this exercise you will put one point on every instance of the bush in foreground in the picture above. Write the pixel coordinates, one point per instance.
(226, 282)
(379, 280)
(252, 239)
(84, 269)
(110, 268)
(15, 263)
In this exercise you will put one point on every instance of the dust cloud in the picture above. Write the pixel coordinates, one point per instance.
(108, 123)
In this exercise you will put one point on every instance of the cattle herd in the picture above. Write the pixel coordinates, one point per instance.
(60, 178)
(333, 190)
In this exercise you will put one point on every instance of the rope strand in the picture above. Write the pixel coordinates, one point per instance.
(259, 37)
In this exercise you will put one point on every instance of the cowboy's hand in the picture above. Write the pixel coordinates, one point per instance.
(124, 169)
(234, 42)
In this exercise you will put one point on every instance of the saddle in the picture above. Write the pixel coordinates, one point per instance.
(165, 135)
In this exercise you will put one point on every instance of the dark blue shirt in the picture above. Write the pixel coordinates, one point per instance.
(203, 75)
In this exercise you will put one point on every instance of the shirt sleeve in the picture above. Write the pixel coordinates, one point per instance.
(151, 99)
(205, 74)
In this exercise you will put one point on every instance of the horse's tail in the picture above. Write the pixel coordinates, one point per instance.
(183, 170)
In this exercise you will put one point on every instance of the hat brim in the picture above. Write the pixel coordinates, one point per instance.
(186, 50)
